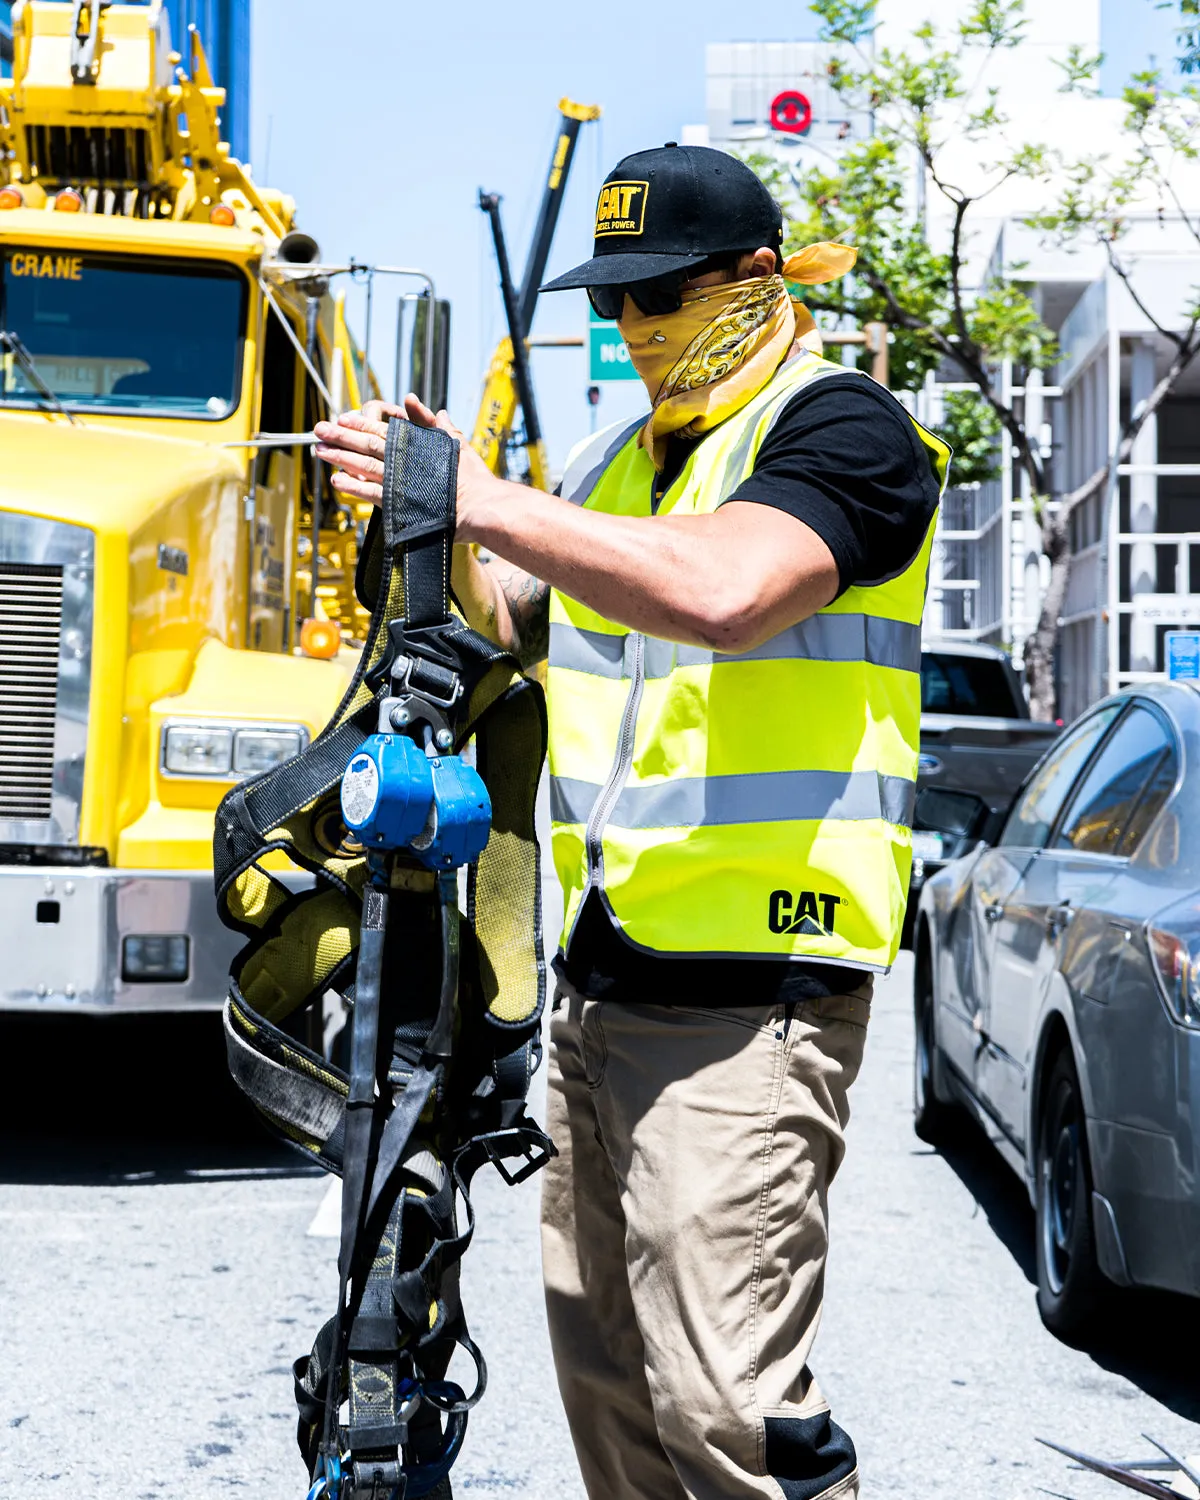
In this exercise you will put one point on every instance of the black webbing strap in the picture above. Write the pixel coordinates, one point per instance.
(376, 1385)
(420, 480)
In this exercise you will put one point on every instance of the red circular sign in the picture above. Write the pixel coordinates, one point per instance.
(791, 112)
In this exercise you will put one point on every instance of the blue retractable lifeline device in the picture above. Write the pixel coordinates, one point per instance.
(396, 795)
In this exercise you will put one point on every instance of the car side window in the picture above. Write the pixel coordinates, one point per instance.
(968, 685)
(1037, 808)
(1150, 803)
(1106, 801)
(1104, 804)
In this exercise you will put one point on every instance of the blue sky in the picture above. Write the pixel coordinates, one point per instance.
(384, 120)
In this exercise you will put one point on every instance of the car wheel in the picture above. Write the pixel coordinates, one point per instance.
(1071, 1286)
(931, 1115)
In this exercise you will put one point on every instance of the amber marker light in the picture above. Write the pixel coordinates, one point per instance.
(11, 197)
(320, 638)
(223, 215)
(68, 202)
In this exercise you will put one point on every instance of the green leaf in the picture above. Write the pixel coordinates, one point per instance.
(972, 429)
(1079, 70)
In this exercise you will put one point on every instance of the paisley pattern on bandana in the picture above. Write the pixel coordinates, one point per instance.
(722, 345)
(704, 362)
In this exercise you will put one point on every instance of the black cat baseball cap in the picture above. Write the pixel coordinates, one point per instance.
(671, 208)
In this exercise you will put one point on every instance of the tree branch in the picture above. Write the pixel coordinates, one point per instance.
(1164, 182)
(967, 355)
(960, 317)
(1189, 348)
(1126, 277)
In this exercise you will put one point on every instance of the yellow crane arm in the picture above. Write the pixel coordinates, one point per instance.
(498, 404)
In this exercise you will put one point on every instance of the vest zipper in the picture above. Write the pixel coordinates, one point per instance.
(622, 762)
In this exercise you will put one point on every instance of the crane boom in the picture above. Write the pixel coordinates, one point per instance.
(500, 399)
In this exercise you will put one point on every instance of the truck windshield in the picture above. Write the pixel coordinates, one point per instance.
(123, 333)
(972, 685)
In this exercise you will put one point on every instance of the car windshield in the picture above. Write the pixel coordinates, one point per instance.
(974, 685)
(122, 333)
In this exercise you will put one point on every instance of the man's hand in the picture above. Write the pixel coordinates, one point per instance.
(728, 580)
(504, 603)
(354, 444)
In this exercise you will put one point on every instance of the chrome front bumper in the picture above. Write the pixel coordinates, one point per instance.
(62, 929)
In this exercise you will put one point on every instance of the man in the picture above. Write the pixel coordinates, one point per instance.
(731, 591)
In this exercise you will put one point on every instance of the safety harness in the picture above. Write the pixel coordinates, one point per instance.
(444, 1035)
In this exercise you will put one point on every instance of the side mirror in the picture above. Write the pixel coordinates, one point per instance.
(429, 357)
(960, 817)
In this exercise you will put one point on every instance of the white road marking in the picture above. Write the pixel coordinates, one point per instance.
(327, 1221)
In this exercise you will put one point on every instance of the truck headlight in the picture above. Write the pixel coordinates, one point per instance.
(257, 750)
(228, 751)
(191, 751)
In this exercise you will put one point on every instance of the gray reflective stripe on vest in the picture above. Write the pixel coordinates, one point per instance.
(757, 797)
(843, 638)
(735, 465)
(582, 474)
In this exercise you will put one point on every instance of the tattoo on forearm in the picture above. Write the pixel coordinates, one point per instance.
(528, 601)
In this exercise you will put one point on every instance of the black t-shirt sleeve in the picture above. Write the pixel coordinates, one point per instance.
(844, 458)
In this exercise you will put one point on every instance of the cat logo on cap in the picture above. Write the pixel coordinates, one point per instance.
(621, 208)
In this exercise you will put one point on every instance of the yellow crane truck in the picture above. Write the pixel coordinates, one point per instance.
(165, 345)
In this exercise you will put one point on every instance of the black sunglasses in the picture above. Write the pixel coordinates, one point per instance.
(656, 296)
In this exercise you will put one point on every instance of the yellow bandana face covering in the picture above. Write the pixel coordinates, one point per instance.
(704, 362)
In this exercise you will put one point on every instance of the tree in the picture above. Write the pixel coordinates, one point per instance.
(1189, 36)
(915, 244)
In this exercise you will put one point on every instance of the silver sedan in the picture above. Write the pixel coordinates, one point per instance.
(1057, 996)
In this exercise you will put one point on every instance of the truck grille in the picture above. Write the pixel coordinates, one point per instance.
(31, 605)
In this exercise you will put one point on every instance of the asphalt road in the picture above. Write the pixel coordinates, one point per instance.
(158, 1275)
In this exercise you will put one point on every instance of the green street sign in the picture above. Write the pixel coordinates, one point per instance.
(608, 356)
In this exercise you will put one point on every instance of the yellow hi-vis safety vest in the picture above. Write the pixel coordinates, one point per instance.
(758, 804)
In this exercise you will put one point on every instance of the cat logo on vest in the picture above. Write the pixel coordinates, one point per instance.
(800, 914)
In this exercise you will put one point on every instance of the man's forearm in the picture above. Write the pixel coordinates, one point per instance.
(693, 579)
(479, 597)
(503, 603)
(728, 580)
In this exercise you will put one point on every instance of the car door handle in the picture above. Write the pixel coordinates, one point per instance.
(994, 912)
(1057, 918)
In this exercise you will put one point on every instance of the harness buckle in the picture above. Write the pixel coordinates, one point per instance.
(402, 673)
(526, 1142)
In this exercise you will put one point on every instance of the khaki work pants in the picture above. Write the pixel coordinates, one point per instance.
(684, 1234)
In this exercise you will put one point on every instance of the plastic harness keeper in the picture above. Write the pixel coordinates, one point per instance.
(445, 1009)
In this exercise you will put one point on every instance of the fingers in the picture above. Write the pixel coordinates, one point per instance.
(355, 443)
(380, 411)
(356, 489)
(359, 465)
(338, 439)
(444, 422)
(416, 411)
(421, 414)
